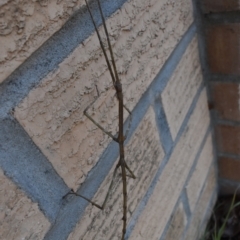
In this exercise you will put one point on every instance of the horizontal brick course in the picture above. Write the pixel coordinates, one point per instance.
(222, 56)
(209, 6)
(228, 138)
(229, 168)
(171, 182)
(20, 218)
(225, 97)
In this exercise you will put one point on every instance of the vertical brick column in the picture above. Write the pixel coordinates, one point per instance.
(220, 23)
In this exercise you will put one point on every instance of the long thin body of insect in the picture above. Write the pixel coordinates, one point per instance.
(121, 137)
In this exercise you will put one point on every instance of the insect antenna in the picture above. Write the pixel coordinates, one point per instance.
(108, 40)
(100, 41)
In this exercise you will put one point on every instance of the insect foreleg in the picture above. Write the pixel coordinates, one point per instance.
(107, 195)
(97, 124)
(130, 171)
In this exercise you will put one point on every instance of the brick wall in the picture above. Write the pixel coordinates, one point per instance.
(48, 146)
(220, 40)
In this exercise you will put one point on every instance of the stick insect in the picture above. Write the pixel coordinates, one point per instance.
(121, 136)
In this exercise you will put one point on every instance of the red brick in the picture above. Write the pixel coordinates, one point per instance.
(229, 168)
(226, 100)
(219, 5)
(228, 138)
(223, 48)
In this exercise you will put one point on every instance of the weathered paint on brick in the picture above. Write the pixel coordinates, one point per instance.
(226, 100)
(228, 138)
(199, 175)
(143, 155)
(177, 225)
(143, 35)
(229, 168)
(195, 230)
(171, 182)
(20, 218)
(182, 87)
(26, 25)
(209, 6)
(222, 57)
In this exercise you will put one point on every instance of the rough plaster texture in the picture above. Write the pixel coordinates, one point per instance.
(20, 218)
(199, 175)
(173, 177)
(26, 25)
(182, 87)
(143, 155)
(177, 225)
(203, 207)
(52, 114)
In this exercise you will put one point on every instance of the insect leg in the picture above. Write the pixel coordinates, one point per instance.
(101, 44)
(107, 195)
(130, 171)
(97, 124)
(129, 122)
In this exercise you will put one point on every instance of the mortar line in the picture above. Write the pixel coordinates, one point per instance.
(23, 162)
(229, 155)
(229, 182)
(153, 184)
(223, 78)
(183, 195)
(222, 17)
(163, 236)
(210, 202)
(186, 204)
(162, 125)
(225, 122)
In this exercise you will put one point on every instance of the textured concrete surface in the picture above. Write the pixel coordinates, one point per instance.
(203, 207)
(178, 224)
(52, 113)
(199, 175)
(173, 177)
(20, 218)
(26, 25)
(182, 87)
